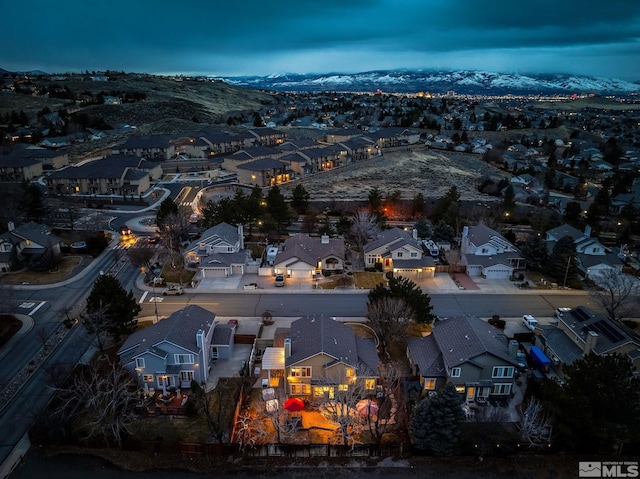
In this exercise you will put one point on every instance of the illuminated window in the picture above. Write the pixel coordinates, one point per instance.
(343, 387)
(304, 372)
(460, 388)
(430, 384)
(350, 372)
(370, 384)
(301, 389)
(147, 378)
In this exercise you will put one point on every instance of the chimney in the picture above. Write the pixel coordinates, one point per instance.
(287, 347)
(513, 348)
(241, 235)
(590, 342)
(200, 338)
(587, 230)
(324, 239)
(11, 226)
(414, 233)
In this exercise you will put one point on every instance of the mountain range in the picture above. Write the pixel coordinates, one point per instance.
(461, 82)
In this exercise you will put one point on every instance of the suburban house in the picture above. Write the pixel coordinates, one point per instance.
(263, 172)
(359, 148)
(219, 252)
(268, 136)
(113, 175)
(173, 352)
(581, 331)
(398, 251)
(247, 155)
(322, 354)
(487, 253)
(592, 257)
(468, 352)
(302, 256)
(26, 240)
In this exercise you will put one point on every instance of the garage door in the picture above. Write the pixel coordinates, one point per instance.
(474, 270)
(407, 273)
(301, 273)
(498, 274)
(236, 269)
(214, 272)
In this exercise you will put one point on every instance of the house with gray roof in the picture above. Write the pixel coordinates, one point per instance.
(593, 258)
(302, 256)
(487, 253)
(26, 240)
(17, 168)
(322, 354)
(581, 331)
(398, 251)
(219, 252)
(176, 350)
(468, 352)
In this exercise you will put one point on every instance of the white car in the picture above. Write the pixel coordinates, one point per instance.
(177, 290)
(529, 322)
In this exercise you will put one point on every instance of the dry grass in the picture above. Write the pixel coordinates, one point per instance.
(367, 280)
(63, 270)
(176, 275)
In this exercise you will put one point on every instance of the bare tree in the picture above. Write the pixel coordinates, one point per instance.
(174, 227)
(342, 407)
(389, 317)
(616, 293)
(99, 401)
(536, 426)
(97, 324)
(212, 405)
(141, 257)
(389, 405)
(363, 228)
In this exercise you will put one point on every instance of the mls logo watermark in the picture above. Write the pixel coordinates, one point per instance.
(608, 469)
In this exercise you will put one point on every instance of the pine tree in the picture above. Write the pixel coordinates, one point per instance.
(117, 307)
(435, 423)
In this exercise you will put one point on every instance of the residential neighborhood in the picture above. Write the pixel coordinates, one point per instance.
(326, 269)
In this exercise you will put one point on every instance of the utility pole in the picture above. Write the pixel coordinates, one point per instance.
(566, 273)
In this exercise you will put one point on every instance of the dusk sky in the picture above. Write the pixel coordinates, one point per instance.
(230, 38)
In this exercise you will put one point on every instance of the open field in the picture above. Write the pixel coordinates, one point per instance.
(430, 172)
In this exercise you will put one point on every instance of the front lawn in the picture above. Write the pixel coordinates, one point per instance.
(63, 270)
(368, 280)
(177, 275)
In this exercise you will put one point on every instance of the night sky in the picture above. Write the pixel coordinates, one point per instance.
(230, 38)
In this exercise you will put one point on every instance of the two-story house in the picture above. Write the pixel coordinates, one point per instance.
(219, 252)
(398, 251)
(177, 350)
(26, 240)
(487, 253)
(592, 257)
(264, 172)
(468, 352)
(322, 355)
(580, 331)
(302, 256)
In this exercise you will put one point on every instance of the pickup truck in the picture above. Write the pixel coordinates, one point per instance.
(529, 322)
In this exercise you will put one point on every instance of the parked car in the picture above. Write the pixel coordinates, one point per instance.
(177, 290)
(153, 239)
(279, 280)
(529, 322)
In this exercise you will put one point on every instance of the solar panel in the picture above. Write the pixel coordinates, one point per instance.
(581, 315)
(607, 330)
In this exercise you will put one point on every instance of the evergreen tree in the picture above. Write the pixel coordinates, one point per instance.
(278, 208)
(598, 408)
(117, 307)
(509, 200)
(300, 199)
(535, 251)
(410, 292)
(572, 213)
(435, 422)
(167, 207)
(562, 261)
